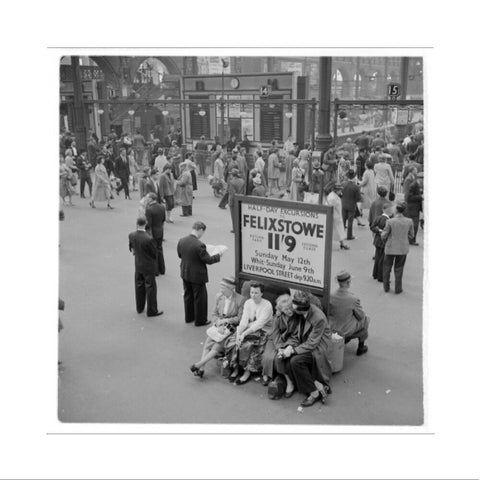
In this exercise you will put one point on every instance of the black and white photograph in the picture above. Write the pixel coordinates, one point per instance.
(242, 239)
(239, 240)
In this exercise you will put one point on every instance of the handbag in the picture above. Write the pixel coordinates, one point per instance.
(218, 334)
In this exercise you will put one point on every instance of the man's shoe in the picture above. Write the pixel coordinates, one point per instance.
(386, 289)
(399, 291)
(204, 324)
(310, 400)
(351, 238)
(223, 208)
(156, 314)
(415, 244)
(362, 350)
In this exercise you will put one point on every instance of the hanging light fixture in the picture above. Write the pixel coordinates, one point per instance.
(289, 114)
(165, 112)
(131, 112)
(201, 112)
(100, 111)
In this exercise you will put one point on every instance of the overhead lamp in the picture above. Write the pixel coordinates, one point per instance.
(289, 114)
(202, 112)
(165, 112)
(131, 112)
(100, 111)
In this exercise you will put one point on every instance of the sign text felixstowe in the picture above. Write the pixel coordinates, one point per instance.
(284, 242)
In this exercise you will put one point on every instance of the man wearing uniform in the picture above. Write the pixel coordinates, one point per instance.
(347, 317)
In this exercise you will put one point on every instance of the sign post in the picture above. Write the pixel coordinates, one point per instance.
(284, 244)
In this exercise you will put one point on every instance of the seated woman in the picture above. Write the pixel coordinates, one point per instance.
(245, 348)
(304, 359)
(284, 325)
(226, 315)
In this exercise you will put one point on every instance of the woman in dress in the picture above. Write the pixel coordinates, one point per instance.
(368, 188)
(244, 349)
(65, 185)
(331, 190)
(166, 189)
(133, 168)
(101, 184)
(284, 325)
(71, 164)
(383, 173)
(226, 315)
(185, 190)
(296, 191)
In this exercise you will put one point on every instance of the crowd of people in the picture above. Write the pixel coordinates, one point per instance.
(287, 340)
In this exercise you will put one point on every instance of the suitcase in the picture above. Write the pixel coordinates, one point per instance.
(336, 352)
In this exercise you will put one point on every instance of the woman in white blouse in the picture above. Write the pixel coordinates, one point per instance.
(245, 348)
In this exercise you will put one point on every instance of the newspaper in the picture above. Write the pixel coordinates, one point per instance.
(214, 249)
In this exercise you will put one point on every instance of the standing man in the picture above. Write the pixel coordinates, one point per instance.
(396, 153)
(347, 317)
(151, 183)
(85, 168)
(378, 141)
(377, 228)
(143, 248)
(397, 234)
(122, 171)
(160, 161)
(236, 185)
(414, 204)
(349, 147)
(201, 157)
(139, 148)
(193, 270)
(351, 195)
(155, 214)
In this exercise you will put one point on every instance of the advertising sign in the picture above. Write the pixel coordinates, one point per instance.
(285, 242)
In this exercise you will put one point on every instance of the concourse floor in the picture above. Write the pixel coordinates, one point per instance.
(118, 366)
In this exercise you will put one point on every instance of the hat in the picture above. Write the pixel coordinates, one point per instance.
(183, 165)
(381, 190)
(229, 282)
(351, 174)
(234, 150)
(343, 276)
(316, 163)
(146, 170)
(257, 180)
(235, 172)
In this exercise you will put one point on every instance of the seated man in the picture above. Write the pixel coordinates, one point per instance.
(347, 317)
(303, 361)
(226, 316)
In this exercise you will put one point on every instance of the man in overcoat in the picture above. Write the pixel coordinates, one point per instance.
(304, 360)
(122, 171)
(155, 214)
(351, 195)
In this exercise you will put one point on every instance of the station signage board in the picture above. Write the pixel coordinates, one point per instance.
(284, 242)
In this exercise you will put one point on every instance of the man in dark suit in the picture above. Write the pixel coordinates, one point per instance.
(414, 205)
(155, 214)
(151, 183)
(143, 248)
(397, 234)
(350, 197)
(193, 270)
(377, 228)
(122, 171)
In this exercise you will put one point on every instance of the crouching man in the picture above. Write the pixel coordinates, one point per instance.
(347, 317)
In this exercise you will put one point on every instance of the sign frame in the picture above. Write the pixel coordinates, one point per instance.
(322, 292)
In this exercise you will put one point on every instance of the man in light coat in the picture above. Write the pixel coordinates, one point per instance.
(397, 234)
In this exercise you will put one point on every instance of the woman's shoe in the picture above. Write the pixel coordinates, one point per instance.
(92, 205)
(109, 206)
(266, 382)
(289, 394)
(233, 376)
(344, 247)
(239, 381)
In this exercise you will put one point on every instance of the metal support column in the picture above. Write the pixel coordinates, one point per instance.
(79, 127)
(324, 138)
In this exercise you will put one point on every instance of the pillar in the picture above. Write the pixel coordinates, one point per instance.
(79, 114)
(324, 138)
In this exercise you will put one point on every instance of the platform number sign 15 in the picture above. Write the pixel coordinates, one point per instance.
(393, 90)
